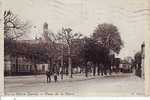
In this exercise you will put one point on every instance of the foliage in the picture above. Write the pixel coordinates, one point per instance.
(94, 52)
(67, 37)
(108, 36)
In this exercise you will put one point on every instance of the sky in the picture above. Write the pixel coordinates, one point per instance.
(130, 16)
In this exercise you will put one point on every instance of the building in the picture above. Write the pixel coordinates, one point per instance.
(22, 65)
(18, 66)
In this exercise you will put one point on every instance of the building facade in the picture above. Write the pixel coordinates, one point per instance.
(21, 65)
(18, 65)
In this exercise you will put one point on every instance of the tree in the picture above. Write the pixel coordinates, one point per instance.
(109, 36)
(76, 52)
(94, 53)
(88, 53)
(138, 59)
(67, 36)
(138, 62)
(13, 26)
(54, 49)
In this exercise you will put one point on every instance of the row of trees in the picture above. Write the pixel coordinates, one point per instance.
(79, 49)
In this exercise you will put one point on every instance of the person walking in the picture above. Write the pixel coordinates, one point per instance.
(55, 76)
(48, 75)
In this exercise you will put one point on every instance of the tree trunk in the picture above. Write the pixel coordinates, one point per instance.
(35, 67)
(102, 69)
(86, 71)
(98, 70)
(69, 63)
(94, 69)
(17, 65)
(62, 71)
(50, 64)
(62, 62)
(105, 69)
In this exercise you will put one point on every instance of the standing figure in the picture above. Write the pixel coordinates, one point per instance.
(48, 75)
(55, 76)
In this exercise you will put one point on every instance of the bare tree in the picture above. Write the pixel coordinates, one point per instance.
(13, 26)
(53, 48)
(67, 36)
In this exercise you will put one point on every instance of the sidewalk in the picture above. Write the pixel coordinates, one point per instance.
(76, 77)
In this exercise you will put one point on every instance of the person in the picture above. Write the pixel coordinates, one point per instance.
(55, 76)
(48, 75)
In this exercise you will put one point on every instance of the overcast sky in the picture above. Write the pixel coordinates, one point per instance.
(84, 15)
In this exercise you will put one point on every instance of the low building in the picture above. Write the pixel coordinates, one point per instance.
(7, 64)
(23, 66)
(18, 66)
(19, 61)
(42, 68)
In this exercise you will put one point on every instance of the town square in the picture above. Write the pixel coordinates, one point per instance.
(75, 48)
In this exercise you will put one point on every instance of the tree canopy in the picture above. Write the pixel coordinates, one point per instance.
(92, 51)
(108, 36)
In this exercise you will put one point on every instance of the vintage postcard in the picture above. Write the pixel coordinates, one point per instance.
(75, 47)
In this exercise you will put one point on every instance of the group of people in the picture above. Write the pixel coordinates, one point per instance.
(49, 74)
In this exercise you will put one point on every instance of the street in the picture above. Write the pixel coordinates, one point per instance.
(114, 85)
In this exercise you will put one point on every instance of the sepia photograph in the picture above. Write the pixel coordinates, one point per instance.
(75, 47)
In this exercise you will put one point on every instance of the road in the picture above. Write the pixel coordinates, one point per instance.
(114, 85)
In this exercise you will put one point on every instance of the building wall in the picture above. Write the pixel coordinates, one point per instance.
(23, 67)
(13, 68)
(42, 67)
(7, 68)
